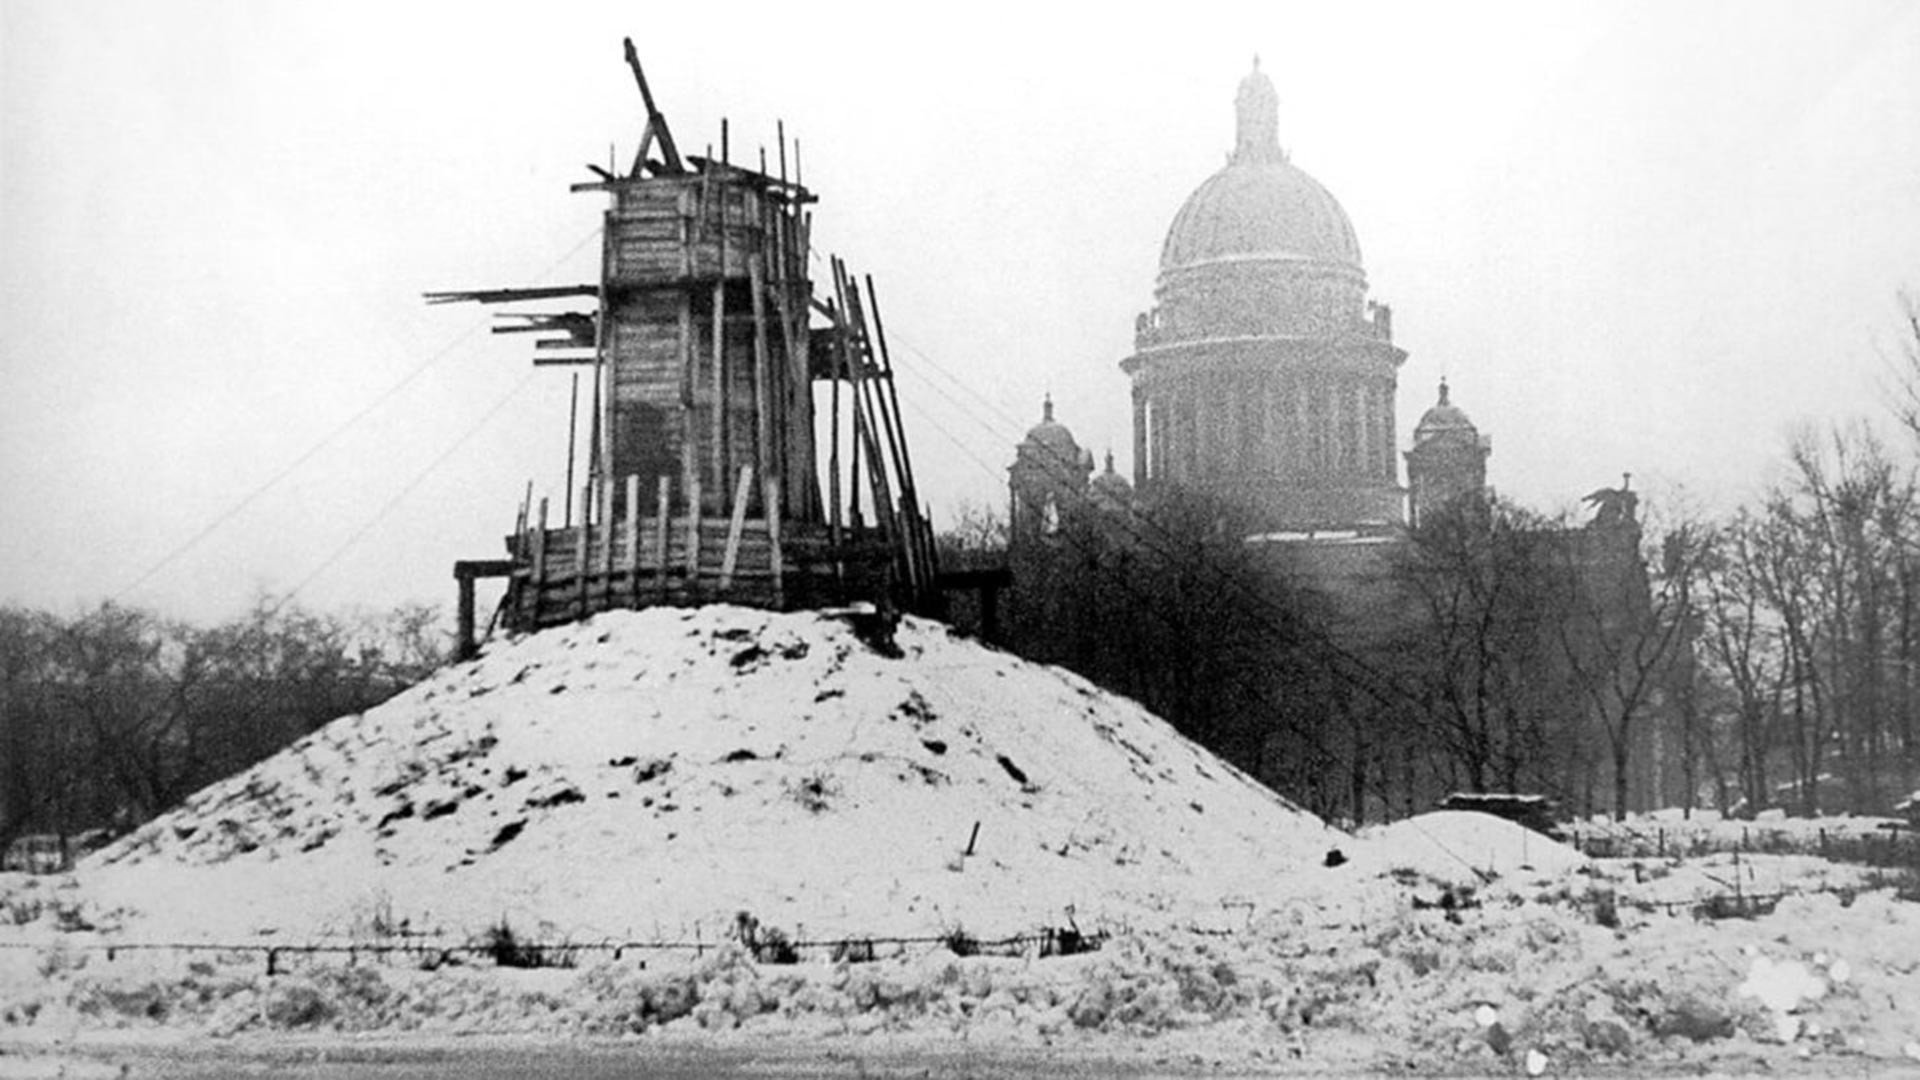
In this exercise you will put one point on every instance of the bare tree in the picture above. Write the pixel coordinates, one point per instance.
(1624, 633)
(1476, 650)
(1744, 644)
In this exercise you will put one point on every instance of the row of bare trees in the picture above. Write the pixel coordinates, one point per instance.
(1809, 631)
(112, 716)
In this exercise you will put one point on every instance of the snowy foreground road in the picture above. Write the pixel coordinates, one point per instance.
(483, 1059)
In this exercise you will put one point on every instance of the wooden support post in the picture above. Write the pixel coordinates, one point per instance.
(606, 542)
(918, 524)
(833, 443)
(465, 646)
(741, 492)
(849, 370)
(719, 426)
(687, 464)
(776, 561)
(663, 519)
(582, 561)
(464, 572)
(633, 539)
(863, 414)
(573, 423)
(538, 584)
(520, 523)
(762, 407)
(693, 542)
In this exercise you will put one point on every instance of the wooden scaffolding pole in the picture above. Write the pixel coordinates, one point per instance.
(719, 426)
(762, 406)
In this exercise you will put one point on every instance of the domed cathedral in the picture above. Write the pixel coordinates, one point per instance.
(1448, 461)
(1263, 374)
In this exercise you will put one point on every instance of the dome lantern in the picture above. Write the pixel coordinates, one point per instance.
(1257, 119)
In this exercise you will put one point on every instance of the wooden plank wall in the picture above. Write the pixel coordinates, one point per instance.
(706, 281)
(705, 275)
(666, 558)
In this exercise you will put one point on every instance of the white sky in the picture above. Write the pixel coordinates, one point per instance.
(1641, 237)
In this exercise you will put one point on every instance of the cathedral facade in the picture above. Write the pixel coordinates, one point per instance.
(1263, 375)
(1264, 380)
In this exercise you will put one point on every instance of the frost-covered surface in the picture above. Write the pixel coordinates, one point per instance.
(1825, 977)
(647, 776)
(1771, 830)
(1463, 845)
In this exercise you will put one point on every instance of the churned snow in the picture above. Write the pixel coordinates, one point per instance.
(651, 774)
(646, 777)
(1466, 846)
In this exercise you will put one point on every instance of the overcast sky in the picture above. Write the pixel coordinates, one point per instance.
(1642, 237)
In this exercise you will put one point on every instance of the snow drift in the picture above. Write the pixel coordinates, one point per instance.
(647, 775)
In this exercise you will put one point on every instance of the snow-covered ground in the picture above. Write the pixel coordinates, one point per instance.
(1680, 831)
(646, 777)
(651, 774)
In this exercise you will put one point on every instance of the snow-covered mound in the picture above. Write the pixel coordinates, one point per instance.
(646, 775)
(1462, 845)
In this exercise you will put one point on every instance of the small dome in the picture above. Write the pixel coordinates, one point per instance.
(1111, 485)
(1260, 204)
(1051, 440)
(1049, 432)
(1445, 416)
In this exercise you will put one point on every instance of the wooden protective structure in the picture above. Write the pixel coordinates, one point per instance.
(709, 351)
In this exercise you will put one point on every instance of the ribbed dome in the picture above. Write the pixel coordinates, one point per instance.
(1260, 204)
(1443, 417)
(1260, 208)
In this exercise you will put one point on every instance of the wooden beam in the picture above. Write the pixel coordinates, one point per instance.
(741, 492)
(762, 407)
(687, 473)
(833, 443)
(656, 122)
(719, 425)
(582, 552)
(633, 537)
(776, 560)
(539, 580)
(606, 539)
(663, 510)
(693, 539)
(508, 296)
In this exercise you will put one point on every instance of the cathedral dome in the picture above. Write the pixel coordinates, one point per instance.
(1260, 208)
(1260, 204)
(1443, 417)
